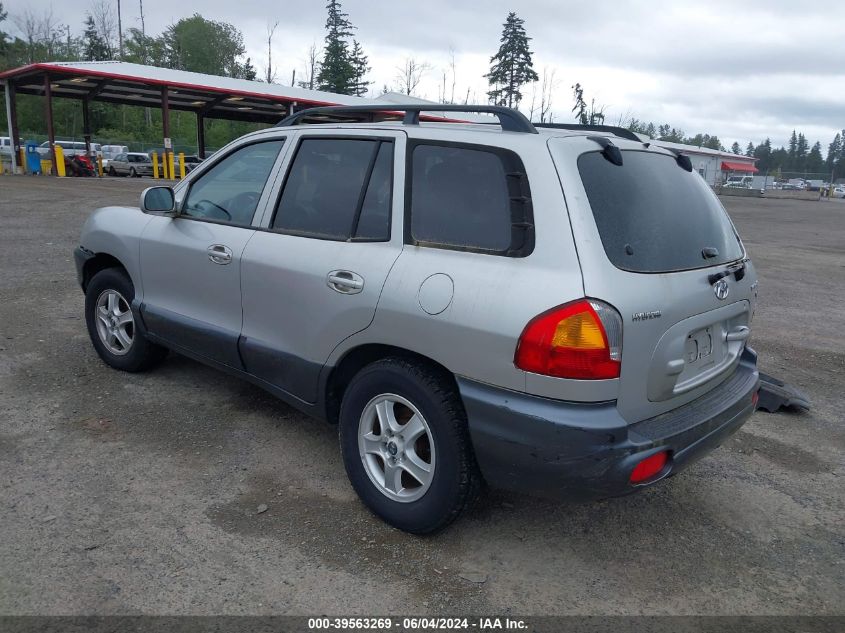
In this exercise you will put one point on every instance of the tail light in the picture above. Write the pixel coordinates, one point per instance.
(581, 340)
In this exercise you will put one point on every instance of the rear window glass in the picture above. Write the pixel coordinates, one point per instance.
(653, 216)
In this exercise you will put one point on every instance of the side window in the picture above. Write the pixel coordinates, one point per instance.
(470, 198)
(230, 190)
(338, 189)
(374, 218)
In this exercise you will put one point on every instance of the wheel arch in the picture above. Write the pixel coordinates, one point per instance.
(355, 359)
(100, 261)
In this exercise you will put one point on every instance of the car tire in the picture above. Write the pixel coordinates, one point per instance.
(133, 173)
(112, 172)
(374, 455)
(112, 323)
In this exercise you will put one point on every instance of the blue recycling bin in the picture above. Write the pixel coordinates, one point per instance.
(33, 158)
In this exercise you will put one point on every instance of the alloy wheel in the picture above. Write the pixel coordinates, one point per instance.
(115, 322)
(396, 448)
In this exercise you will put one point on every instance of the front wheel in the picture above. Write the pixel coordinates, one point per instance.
(113, 324)
(133, 173)
(405, 445)
(112, 172)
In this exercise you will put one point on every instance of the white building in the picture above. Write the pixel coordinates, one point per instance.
(715, 166)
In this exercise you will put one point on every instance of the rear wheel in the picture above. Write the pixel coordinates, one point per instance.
(112, 172)
(406, 446)
(112, 323)
(133, 173)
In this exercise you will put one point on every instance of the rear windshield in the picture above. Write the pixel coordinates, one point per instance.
(653, 216)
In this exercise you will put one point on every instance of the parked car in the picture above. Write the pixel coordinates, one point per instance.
(112, 151)
(838, 191)
(69, 148)
(6, 145)
(467, 303)
(135, 164)
(191, 163)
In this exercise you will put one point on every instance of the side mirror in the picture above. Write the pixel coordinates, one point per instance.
(158, 201)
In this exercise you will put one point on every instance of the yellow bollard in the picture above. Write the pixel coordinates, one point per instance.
(171, 166)
(1, 166)
(46, 166)
(181, 165)
(100, 165)
(155, 164)
(60, 161)
(22, 161)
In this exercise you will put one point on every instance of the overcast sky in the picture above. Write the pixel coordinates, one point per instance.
(740, 70)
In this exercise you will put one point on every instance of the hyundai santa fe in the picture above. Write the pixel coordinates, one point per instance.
(558, 310)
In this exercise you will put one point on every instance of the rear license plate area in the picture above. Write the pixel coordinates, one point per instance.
(698, 348)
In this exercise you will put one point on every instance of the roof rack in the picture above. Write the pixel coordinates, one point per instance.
(621, 132)
(510, 120)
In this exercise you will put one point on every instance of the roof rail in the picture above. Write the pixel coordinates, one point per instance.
(621, 132)
(510, 120)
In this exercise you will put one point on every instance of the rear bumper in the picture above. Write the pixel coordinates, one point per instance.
(581, 451)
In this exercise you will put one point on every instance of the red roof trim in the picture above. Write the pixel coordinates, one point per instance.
(728, 165)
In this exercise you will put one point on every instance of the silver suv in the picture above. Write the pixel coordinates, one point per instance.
(559, 310)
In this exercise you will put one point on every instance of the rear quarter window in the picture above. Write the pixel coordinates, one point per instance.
(653, 216)
(467, 197)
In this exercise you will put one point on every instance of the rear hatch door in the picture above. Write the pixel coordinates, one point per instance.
(652, 239)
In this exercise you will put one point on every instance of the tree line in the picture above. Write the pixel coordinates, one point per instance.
(340, 66)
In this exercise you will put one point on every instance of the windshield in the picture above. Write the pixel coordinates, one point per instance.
(653, 216)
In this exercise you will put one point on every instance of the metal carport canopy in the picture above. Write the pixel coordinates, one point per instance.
(136, 84)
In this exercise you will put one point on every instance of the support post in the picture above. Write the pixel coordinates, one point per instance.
(200, 136)
(12, 120)
(48, 114)
(86, 127)
(165, 128)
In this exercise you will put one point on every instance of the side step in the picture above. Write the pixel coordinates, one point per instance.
(776, 394)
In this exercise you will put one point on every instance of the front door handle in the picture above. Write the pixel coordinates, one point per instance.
(345, 282)
(219, 254)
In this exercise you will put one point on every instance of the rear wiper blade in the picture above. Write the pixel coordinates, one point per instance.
(608, 149)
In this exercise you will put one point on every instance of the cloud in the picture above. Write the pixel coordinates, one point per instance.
(742, 71)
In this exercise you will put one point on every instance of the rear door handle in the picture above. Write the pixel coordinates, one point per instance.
(219, 254)
(345, 282)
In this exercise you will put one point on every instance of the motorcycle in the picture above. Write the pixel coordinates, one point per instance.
(79, 165)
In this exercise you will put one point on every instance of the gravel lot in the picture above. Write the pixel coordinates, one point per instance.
(127, 494)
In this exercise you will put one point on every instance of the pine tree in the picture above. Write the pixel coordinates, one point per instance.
(337, 74)
(511, 67)
(814, 162)
(793, 151)
(580, 107)
(95, 49)
(834, 151)
(360, 85)
(247, 70)
(749, 150)
(735, 149)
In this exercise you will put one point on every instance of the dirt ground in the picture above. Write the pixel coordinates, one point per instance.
(129, 494)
